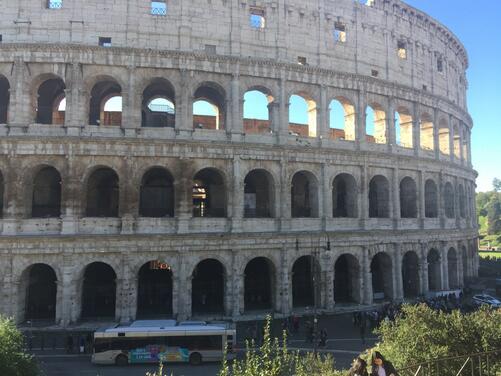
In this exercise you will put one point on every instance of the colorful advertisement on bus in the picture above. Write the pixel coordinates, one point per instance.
(156, 353)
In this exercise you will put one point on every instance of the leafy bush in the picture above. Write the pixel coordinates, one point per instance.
(13, 360)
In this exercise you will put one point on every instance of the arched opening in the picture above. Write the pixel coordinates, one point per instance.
(342, 119)
(452, 264)
(434, 270)
(426, 132)
(382, 276)
(408, 198)
(449, 200)
(154, 290)
(304, 195)
(157, 194)
(347, 279)
(302, 115)
(404, 128)
(457, 142)
(209, 194)
(259, 284)
(106, 103)
(46, 200)
(4, 99)
(102, 193)
(410, 274)
(158, 108)
(375, 124)
(344, 196)
(303, 292)
(430, 199)
(379, 197)
(462, 201)
(209, 107)
(98, 292)
(258, 194)
(40, 282)
(207, 293)
(258, 104)
(444, 137)
(50, 94)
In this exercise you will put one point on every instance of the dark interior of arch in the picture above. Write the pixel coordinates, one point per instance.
(303, 294)
(434, 273)
(41, 293)
(99, 291)
(4, 99)
(257, 195)
(379, 198)
(410, 275)
(431, 199)
(207, 294)
(157, 194)
(452, 264)
(408, 198)
(462, 202)
(50, 93)
(449, 200)
(464, 254)
(158, 116)
(46, 201)
(101, 91)
(382, 276)
(258, 285)
(214, 96)
(102, 194)
(344, 197)
(154, 296)
(303, 196)
(346, 280)
(209, 194)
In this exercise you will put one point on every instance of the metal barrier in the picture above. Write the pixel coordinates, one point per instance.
(479, 364)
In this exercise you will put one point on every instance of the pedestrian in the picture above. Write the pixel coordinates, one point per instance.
(323, 338)
(295, 323)
(381, 366)
(82, 344)
(362, 328)
(309, 331)
(358, 368)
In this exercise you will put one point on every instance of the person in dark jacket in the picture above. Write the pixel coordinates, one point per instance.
(381, 366)
(358, 368)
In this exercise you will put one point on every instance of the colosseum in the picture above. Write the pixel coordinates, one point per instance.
(137, 182)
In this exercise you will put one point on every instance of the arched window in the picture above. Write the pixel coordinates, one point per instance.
(157, 194)
(154, 291)
(99, 292)
(304, 293)
(408, 198)
(382, 276)
(457, 142)
(302, 115)
(462, 201)
(342, 119)
(46, 201)
(375, 124)
(434, 271)
(207, 291)
(426, 132)
(158, 108)
(258, 194)
(102, 193)
(106, 103)
(403, 128)
(444, 137)
(209, 107)
(304, 195)
(452, 264)
(449, 200)
(410, 274)
(259, 284)
(209, 194)
(347, 279)
(379, 197)
(49, 97)
(344, 197)
(4, 99)
(430, 199)
(257, 111)
(39, 287)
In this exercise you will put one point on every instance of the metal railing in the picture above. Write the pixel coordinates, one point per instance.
(54, 4)
(478, 364)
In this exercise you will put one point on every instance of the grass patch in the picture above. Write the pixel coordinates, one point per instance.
(490, 254)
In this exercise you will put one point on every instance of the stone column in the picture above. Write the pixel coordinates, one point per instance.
(183, 185)
(367, 278)
(283, 105)
(285, 282)
(128, 198)
(13, 198)
(397, 270)
(329, 284)
(416, 128)
(323, 115)
(441, 207)
(20, 111)
(423, 268)
(390, 126)
(237, 207)
(131, 112)
(363, 197)
(445, 266)
(285, 196)
(452, 153)
(421, 199)
(236, 128)
(326, 191)
(184, 279)
(68, 294)
(395, 198)
(71, 198)
(360, 118)
(436, 143)
(76, 111)
(237, 287)
(184, 107)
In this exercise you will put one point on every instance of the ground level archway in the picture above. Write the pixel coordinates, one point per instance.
(154, 290)
(207, 294)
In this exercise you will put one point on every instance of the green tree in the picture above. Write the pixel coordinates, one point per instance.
(496, 184)
(494, 215)
(13, 360)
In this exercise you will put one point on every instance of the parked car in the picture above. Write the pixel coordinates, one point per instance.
(481, 299)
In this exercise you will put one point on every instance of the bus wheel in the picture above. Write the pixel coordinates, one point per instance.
(121, 360)
(195, 359)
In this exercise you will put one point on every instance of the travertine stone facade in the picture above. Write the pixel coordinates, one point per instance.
(408, 201)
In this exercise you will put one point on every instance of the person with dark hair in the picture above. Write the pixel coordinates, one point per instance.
(358, 368)
(381, 366)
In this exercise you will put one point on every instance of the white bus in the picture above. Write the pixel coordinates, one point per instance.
(155, 341)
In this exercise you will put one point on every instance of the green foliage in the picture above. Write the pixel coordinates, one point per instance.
(421, 334)
(489, 212)
(496, 184)
(274, 359)
(159, 372)
(13, 360)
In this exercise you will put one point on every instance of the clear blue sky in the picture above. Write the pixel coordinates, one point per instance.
(477, 23)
